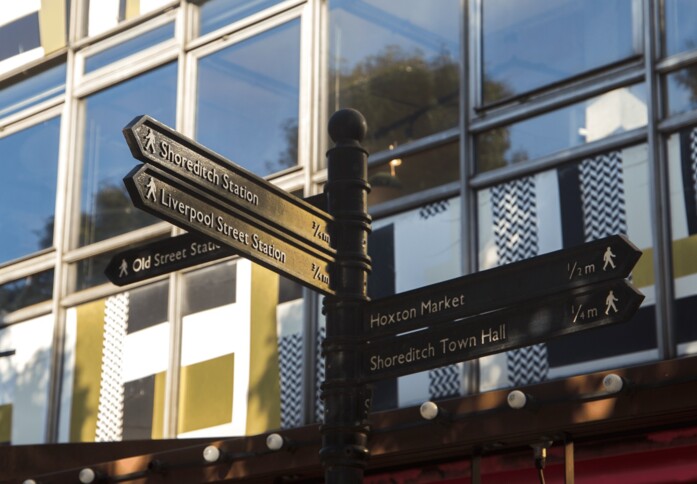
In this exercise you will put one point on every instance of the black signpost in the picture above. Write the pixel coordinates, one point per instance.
(163, 257)
(234, 211)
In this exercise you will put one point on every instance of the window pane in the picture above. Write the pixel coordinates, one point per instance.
(215, 14)
(32, 90)
(679, 26)
(401, 72)
(578, 202)
(25, 368)
(107, 209)
(129, 47)
(247, 102)
(528, 44)
(209, 288)
(28, 189)
(25, 292)
(19, 35)
(597, 118)
(682, 90)
(682, 153)
(107, 14)
(413, 173)
(117, 353)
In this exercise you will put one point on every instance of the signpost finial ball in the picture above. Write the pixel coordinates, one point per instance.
(347, 125)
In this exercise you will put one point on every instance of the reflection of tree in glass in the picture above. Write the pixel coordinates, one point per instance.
(403, 95)
(113, 214)
(289, 157)
(25, 292)
(688, 79)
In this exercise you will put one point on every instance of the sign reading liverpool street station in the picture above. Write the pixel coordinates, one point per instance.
(525, 324)
(187, 207)
(162, 257)
(152, 142)
(591, 263)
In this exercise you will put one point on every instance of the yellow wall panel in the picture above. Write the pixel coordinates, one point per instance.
(6, 423)
(205, 393)
(264, 401)
(87, 371)
(52, 23)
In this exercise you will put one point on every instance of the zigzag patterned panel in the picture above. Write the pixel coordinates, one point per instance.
(110, 413)
(693, 157)
(602, 194)
(514, 209)
(515, 220)
(444, 382)
(290, 356)
(319, 372)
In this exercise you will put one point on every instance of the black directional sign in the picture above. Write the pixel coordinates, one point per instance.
(163, 257)
(525, 324)
(601, 260)
(152, 142)
(156, 192)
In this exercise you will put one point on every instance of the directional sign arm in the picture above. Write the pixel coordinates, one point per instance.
(602, 260)
(157, 144)
(577, 310)
(184, 206)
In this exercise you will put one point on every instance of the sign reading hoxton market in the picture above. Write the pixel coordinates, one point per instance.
(231, 211)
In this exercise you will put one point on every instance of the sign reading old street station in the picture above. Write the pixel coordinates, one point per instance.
(162, 257)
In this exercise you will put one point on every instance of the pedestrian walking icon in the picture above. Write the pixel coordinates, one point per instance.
(123, 268)
(610, 301)
(150, 141)
(608, 259)
(151, 190)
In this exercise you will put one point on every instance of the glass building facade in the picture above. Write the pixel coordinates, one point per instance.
(498, 131)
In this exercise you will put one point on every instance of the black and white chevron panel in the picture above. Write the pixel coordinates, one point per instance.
(693, 159)
(515, 220)
(111, 390)
(514, 207)
(444, 382)
(602, 196)
(290, 349)
(527, 365)
(432, 209)
(319, 373)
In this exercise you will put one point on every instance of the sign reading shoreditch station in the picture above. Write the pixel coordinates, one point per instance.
(153, 191)
(514, 327)
(152, 142)
(163, 257)
(601, 260)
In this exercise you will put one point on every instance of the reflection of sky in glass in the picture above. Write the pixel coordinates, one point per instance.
(28, 193)
(611, 113)
(215, 14)
(363, 28)
(247, 102)
(680, 31)
(33, 90)
(531, 43)
(120, 51)
(106, 157)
